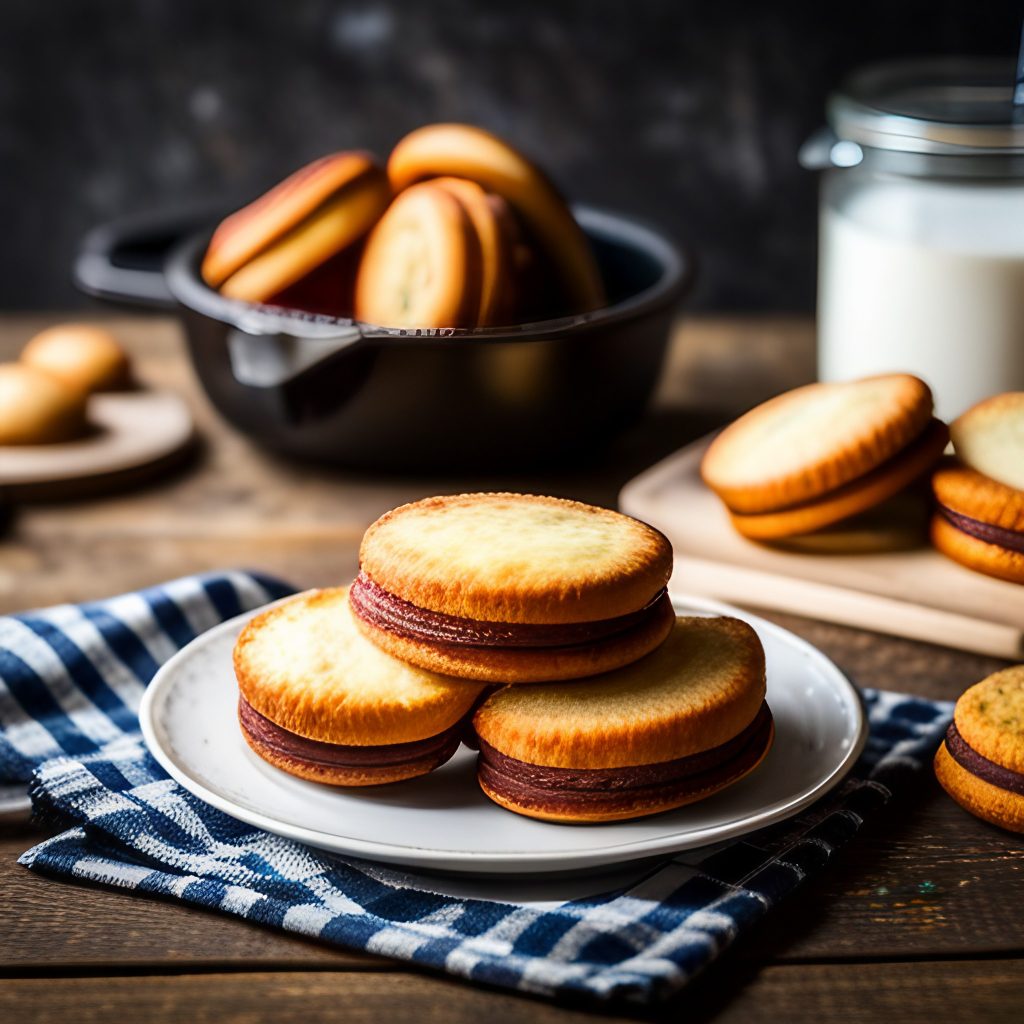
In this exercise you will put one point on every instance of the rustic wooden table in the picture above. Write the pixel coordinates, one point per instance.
(920, 920)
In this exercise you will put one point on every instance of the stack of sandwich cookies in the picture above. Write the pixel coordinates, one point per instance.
(513, 588)
(981, 762)
(979, 496)
(823, 453)
(319, 701)
(670, 729)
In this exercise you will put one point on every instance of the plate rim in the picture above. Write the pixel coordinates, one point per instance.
(517, 861)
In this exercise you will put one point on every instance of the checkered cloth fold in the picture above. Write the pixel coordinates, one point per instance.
(70, 681)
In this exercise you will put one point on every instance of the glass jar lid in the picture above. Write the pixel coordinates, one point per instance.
(956, 106)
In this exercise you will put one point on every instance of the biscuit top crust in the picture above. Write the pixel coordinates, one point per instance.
(990, 718)
(516, 558)
(807, 442)
(971, 494)
(82, 355)
(304, 665)
(698, 690)
(251, 229)
(990, 438)
(35, 406)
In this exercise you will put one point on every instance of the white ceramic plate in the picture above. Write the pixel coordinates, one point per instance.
(444, 822)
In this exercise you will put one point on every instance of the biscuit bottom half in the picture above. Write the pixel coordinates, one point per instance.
(980, 546)
(988, 790)
(506, 652)
(340, 765)
(615, 794)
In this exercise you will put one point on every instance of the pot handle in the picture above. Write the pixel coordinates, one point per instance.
(122, 261)
(262, 357)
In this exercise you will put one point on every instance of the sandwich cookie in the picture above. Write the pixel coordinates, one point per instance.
(990, 438)
(313, 215)
(822, 453)
(319, 701)
(84, 356)
(513, 588)
(978, 521)
(673, 728)
(422, 265)
(463, 151)
(980, 764)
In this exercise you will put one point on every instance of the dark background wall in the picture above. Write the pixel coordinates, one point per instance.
(686, 112)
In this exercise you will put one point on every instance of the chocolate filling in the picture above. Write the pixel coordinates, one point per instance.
(1012, 540)
(608, 788)
(336, 755)
(379, 607)
(977, 764)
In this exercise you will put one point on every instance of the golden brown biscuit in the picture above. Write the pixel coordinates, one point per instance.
(968, 493)
(313, 215)
(490, 217)
(321, 702)
(806, 443)
(990, 438)
(981, 761)
(422, 265)
(858, 496)
(516, 558)
(38, 408)
(982, 556)
(463, 151)
(512, 587)
(674, 727)
(84, 356)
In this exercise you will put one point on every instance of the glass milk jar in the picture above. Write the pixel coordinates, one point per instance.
(921, 248)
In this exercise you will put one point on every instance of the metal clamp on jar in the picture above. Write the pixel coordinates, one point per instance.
(921, 256)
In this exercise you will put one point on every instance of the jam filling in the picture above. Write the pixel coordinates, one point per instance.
(533, 783)
(1012, 540)
(980, 766)
(379, 607)
(337, 755)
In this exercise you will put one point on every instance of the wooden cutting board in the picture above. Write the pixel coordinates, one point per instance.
(917, 594)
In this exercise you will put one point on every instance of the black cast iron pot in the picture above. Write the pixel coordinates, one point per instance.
(334, 390)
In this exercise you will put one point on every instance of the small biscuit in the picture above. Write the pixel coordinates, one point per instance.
(513, 588)
(990, 438)
(463, 151)
(861, 494)
(38, 408)
(321, 702)
(86, 357)
(422, 264)
(669, 729)
(981, 761)
(313, 215)
(806, 443)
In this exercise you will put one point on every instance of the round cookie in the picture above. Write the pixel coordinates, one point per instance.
(672, 728)
(422, 265)
(513, 587)
(38, 408)
(464, 151)
(321, 702)
(83, 356)
(990, 438)
(309, 218)
(861, 494)
(805, 443)
(980, 763)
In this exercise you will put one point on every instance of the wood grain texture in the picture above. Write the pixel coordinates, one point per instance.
(847, 994)
(924, 883)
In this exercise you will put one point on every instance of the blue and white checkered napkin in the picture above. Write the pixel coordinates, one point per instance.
(70, 682)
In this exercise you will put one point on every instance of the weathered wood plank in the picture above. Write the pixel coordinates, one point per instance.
(852, 994)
